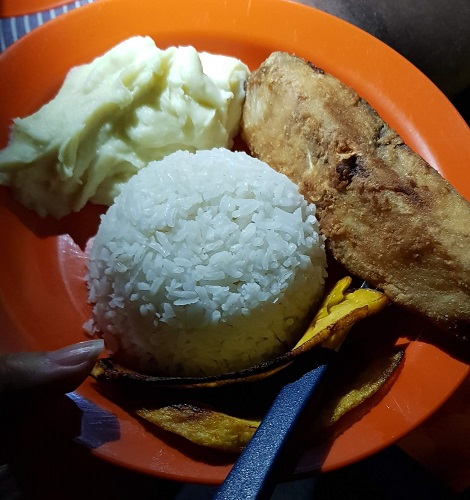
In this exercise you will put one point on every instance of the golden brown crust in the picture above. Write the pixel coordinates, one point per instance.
(389, 217)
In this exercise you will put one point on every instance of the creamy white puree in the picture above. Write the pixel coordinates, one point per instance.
(111, 117)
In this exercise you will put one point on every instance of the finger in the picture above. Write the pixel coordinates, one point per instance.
(52, 371)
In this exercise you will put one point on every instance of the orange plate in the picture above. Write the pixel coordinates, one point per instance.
(12, 8)
(41, 288)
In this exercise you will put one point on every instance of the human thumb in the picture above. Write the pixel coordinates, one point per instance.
(57, 371)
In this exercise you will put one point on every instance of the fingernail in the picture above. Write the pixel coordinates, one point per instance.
(77, 354)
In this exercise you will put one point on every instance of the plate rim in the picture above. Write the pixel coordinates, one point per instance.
(105, 5)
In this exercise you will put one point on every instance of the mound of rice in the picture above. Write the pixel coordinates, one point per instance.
(207, 263)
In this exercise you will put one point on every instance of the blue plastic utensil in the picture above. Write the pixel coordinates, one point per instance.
(269, 456)
(263, 461)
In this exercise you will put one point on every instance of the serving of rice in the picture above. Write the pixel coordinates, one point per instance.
(206, 263)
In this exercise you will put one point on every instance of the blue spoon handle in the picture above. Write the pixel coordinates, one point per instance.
(257, 470)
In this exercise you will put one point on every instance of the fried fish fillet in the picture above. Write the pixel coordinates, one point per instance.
(388, 216)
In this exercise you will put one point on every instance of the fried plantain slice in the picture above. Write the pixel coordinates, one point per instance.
(376, 376)
(218, 430)
(340, 309)
(203, 426)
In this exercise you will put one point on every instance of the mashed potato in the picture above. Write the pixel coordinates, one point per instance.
(206, 263)
(134, 104)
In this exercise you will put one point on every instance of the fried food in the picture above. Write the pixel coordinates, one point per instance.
(340, 309)
(203, 426)
(196, 408)
(388, 216)
(219, 430)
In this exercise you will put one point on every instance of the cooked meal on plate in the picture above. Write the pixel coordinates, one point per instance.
(209, 268)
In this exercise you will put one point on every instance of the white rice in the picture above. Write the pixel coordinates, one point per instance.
(207, 263)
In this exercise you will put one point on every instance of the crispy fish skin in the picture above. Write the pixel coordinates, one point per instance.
(388, 216)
